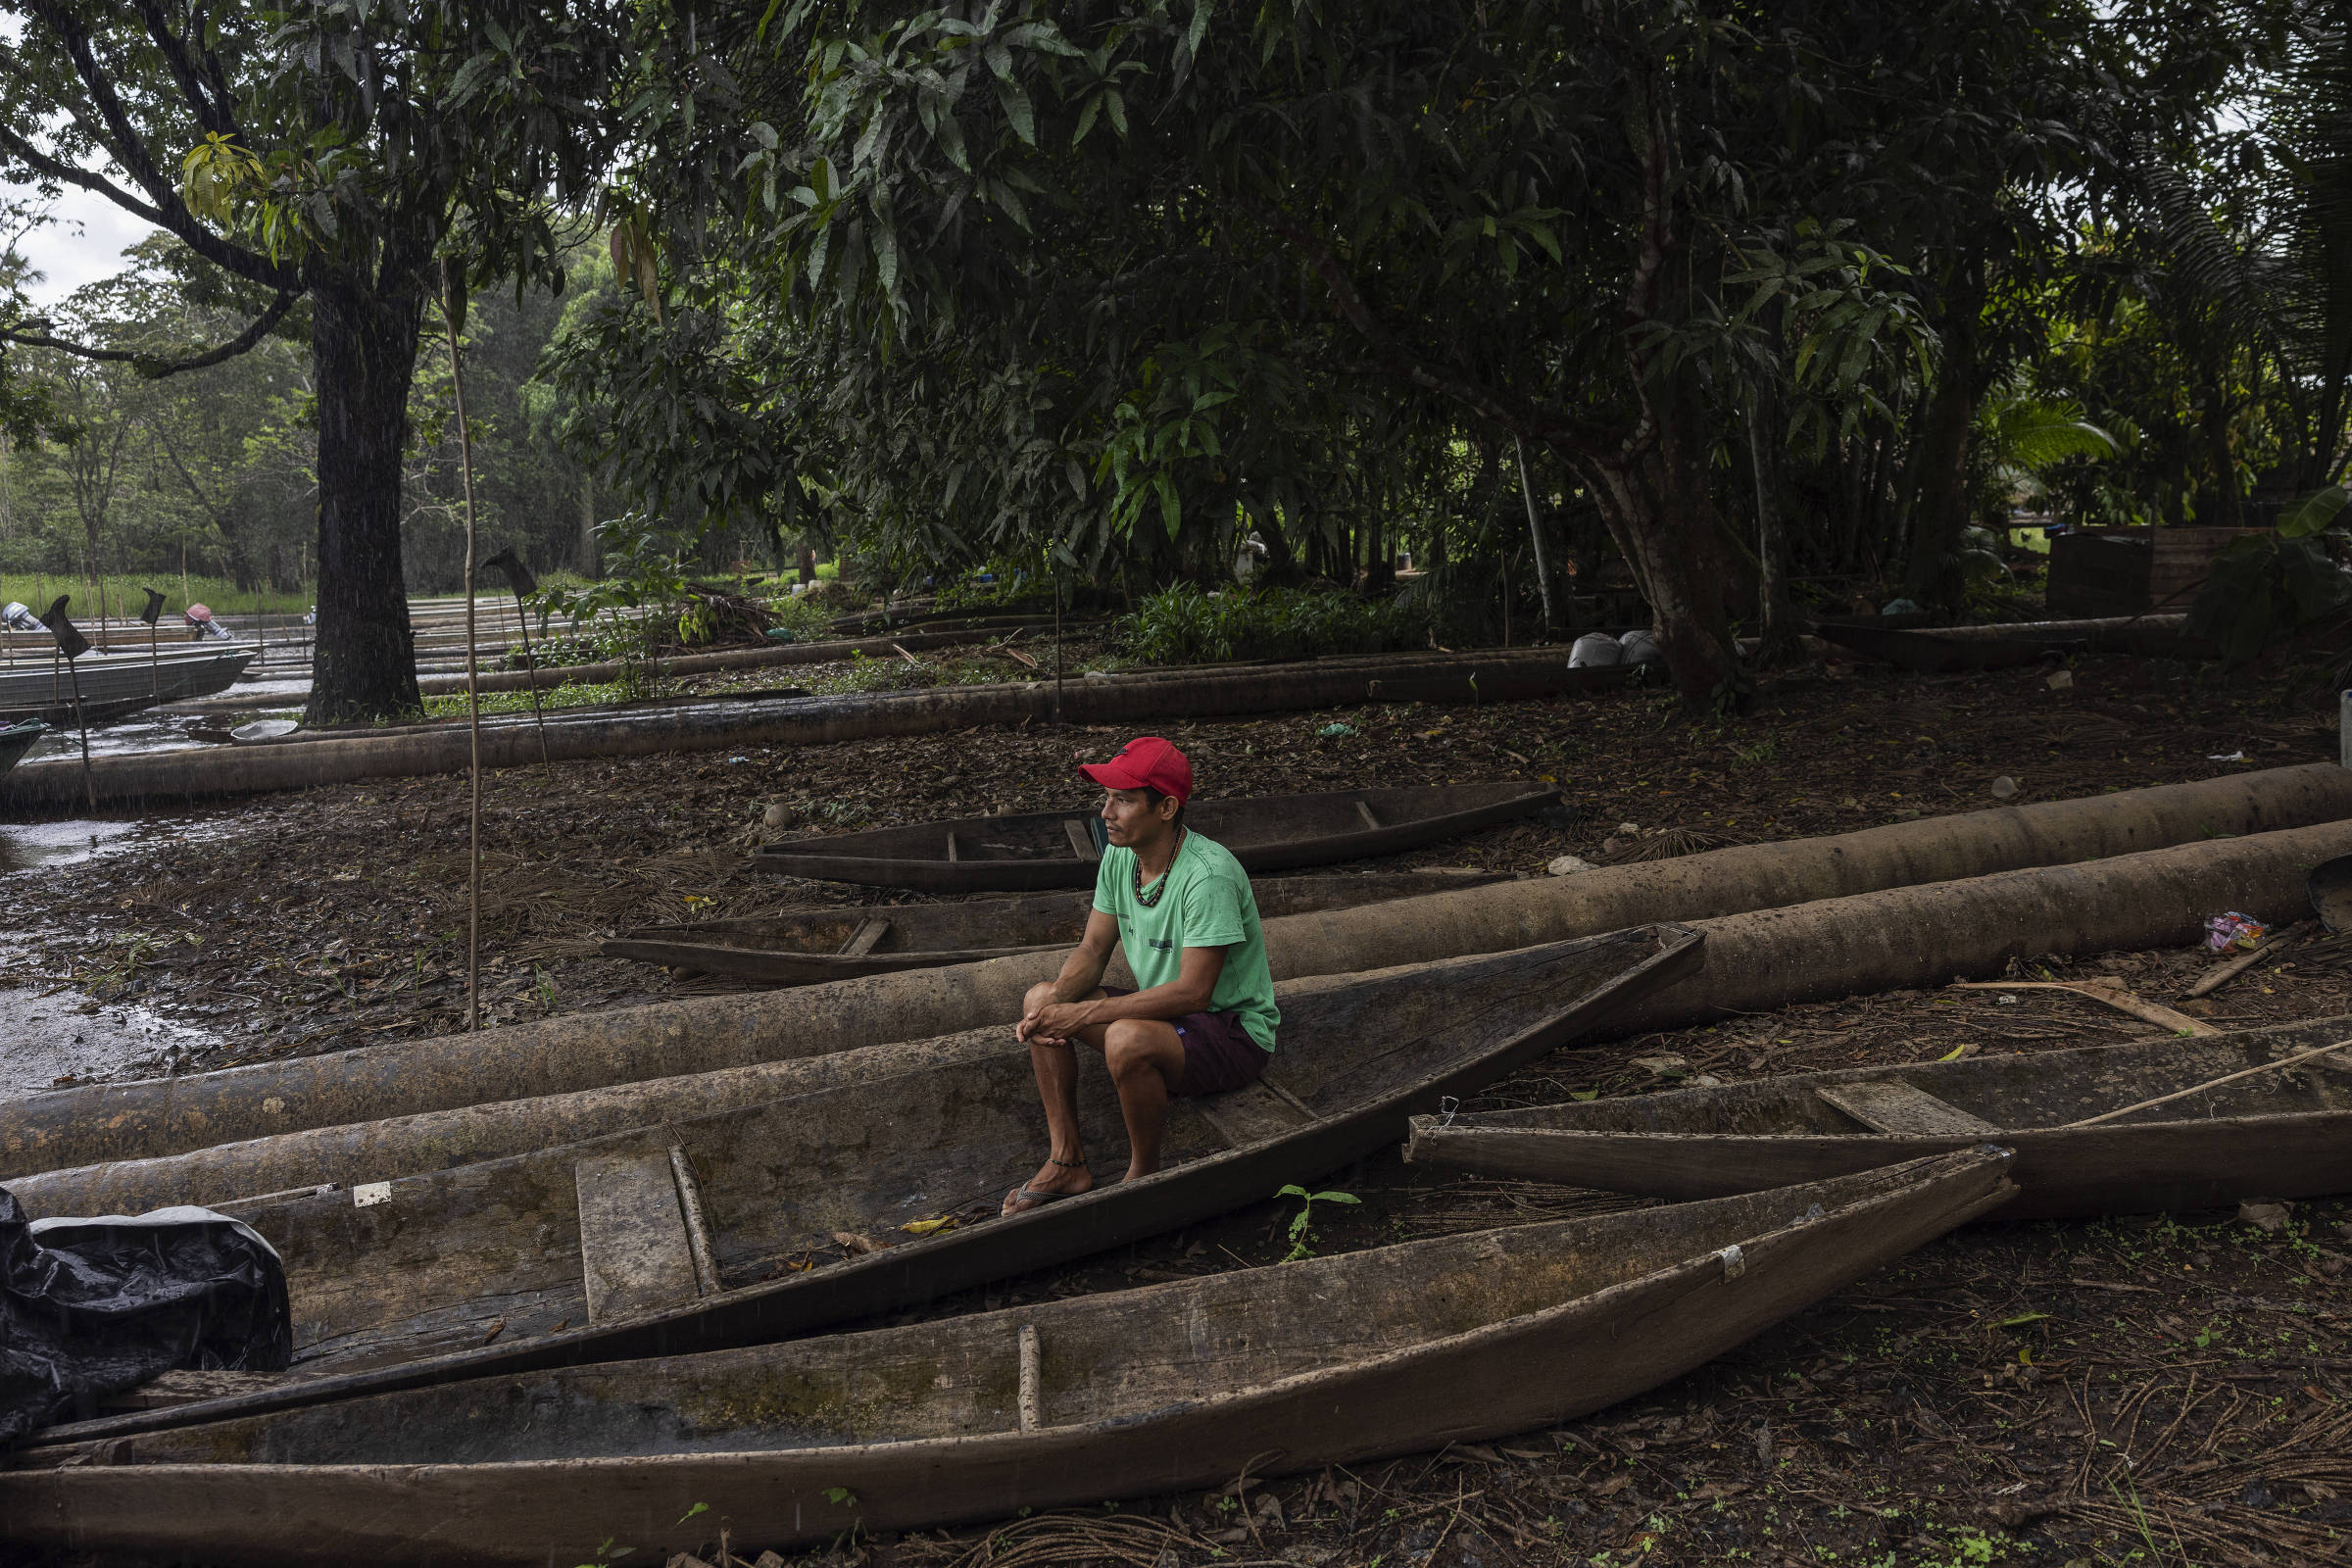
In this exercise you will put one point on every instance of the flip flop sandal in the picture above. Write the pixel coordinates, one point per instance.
(1037, 1200)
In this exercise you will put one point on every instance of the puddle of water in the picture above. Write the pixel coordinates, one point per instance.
(51, 1038)
(28, 844)
(138, 734)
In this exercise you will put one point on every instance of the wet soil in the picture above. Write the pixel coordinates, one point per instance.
(2156, 1390)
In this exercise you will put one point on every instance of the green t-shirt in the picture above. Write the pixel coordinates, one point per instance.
(1207, 904)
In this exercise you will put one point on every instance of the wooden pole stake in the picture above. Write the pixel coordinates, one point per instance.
(82, 720)
(1535, 532)
(530, 668)
(449, 307)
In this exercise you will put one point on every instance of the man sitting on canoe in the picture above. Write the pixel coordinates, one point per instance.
(1201, 1021)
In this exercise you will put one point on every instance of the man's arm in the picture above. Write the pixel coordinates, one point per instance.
(1081, 972)
(1191, 991)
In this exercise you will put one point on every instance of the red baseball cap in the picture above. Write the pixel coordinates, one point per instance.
(1145, 762)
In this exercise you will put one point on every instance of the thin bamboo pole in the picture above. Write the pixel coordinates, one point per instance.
(81, 721)
(1535, 532)
(449, 306)
(531, 668)
(2210, 1083)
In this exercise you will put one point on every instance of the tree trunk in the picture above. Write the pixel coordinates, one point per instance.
(363, 353)
(1658, 509)
(2213, 423)
(590, 566)
(1777, 637)
(1939, 508)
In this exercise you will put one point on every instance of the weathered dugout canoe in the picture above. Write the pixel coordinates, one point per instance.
(2286, 1134)
(1059, 849)
(1169, 1387)
(1508, 675)
(18, 739)
(1930, 654)
(550, 676)
(720, 1231)
(812, 946)
(2234, 839)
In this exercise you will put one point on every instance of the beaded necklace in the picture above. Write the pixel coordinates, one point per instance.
(1151, 899)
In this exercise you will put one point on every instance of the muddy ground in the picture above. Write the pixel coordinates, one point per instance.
(2161, 1391)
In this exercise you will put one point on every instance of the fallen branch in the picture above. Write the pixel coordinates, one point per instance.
(2111, 992)
(2221, 974)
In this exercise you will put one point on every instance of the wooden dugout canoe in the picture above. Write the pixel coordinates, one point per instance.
(2284, 1134)
(18, 739)
(720, 1231)
(809, 946)
(1058, 849)
(1187, 1384)
(1928, 654)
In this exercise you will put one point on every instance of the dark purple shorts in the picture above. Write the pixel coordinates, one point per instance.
(1218, 1053)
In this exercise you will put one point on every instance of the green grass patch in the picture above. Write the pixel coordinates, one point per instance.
(126, 595)
(453, 705)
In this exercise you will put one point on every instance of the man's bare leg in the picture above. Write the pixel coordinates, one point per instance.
(1056, 1070)
(1146, 1058)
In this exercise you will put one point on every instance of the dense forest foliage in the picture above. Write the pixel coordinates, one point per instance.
(1719, 308)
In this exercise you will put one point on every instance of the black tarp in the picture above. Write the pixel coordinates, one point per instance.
(93, 1306)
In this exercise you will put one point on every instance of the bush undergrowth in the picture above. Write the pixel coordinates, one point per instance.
(1183, 625)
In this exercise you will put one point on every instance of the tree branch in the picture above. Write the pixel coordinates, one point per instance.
(164, 208)
(153, 369)
(212, 108)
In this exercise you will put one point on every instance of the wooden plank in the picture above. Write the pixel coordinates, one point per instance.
(951, 854)
(1082, 843)
(698, 1222)
(1028, 1395)
(635, 1253)
(1891, 1105)
(1363, 808)
(861, 940)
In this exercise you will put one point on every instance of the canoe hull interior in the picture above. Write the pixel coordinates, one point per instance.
(400, 1283)
(1169, 1387)
(2286, 1134)
(809, 946)
(1035, 852)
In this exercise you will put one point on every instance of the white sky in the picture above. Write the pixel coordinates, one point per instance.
(84, 244)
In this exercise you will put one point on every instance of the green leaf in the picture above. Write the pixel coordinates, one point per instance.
(2311, 513)
(1018, 110)
(1202, 11)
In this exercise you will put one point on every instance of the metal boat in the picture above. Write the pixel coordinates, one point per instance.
(116, 685)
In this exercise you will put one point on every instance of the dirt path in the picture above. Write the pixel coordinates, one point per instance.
(2159, 1392)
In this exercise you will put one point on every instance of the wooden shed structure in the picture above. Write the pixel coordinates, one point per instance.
(2124, 571)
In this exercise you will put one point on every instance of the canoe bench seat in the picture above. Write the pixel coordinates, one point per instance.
(644, 1242)
(1254, 1111)
(1891, 1105)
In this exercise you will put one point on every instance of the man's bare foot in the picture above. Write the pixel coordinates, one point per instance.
(1063, 1181)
